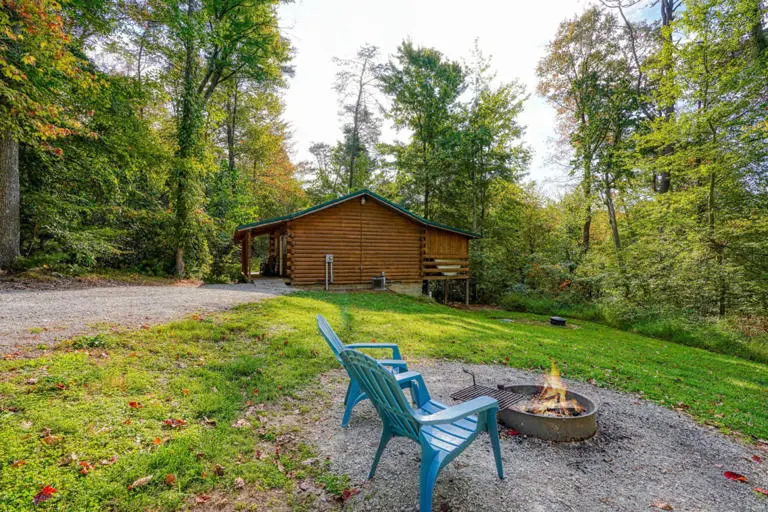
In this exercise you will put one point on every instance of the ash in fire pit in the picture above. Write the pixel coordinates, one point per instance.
(548, 412)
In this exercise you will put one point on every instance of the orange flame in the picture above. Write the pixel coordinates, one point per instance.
(552, 399)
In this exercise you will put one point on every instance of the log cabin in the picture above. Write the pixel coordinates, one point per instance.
(356, 240)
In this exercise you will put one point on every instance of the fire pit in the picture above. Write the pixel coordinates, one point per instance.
(548, 412)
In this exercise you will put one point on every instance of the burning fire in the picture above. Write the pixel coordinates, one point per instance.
(551, 399)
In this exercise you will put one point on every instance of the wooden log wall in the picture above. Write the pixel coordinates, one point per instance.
(444, 244)
(365, 239)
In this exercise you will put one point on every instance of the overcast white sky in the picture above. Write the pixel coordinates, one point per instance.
(513, 32)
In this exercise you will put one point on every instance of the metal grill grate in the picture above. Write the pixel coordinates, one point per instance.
(506, 399)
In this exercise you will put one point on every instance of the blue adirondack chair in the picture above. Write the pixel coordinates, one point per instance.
(354, 394)
(443, 432)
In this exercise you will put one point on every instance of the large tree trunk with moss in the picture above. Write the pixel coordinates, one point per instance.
(9, 200)
(184, 176)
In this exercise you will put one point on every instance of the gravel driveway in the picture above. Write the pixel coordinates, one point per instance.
(30, 317)
(642, 455)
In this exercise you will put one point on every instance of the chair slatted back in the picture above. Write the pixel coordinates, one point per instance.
(383, 391)
(330, 337)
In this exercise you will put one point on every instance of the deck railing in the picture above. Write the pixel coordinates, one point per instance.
(445, 268)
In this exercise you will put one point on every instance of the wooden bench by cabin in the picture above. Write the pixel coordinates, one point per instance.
(365, 234)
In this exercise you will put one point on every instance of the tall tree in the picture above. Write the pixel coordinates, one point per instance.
(210, 43)
(572, 77)
(38, 69)
(424, 87)
(491, 134)
(356, 86)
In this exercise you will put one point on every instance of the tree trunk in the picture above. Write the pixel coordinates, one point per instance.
(587, 205)
(10, 196)
(426, 179)
(231, 127)
(663, 181)
(189, 128)
(356, 128)
(616, 237)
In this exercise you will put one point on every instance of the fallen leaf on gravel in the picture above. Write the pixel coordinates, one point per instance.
(512, 432)
(170, 479)
(174, 422)
(203, 498)
(662, 505)
(757, 459)
(140, 482)
(239, 483)
(348, 493)
(730, 475)
(760, 490)
(44, 494)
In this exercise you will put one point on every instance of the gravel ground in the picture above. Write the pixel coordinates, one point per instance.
(643, 454)
(31, 317)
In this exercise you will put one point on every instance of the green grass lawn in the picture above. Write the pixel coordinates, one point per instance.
(65, 411)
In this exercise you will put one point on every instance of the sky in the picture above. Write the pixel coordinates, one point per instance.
(512, 32)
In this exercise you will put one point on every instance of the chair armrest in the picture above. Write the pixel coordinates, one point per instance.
(461, 411)
(392, 346)
(393, 363)
(419, 390)
(406, 377)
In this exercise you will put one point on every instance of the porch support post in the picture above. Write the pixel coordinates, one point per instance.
(245, 256)
(466, 291)
(445, 291)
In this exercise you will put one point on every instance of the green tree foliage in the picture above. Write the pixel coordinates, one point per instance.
(40, 69)
(424, 87)
(121, 145)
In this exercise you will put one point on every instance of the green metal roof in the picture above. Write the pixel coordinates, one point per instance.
(363, 192)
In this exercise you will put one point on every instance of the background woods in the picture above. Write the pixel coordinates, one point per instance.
(136, 135)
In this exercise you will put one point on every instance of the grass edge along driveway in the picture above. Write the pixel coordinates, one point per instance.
(99, 413)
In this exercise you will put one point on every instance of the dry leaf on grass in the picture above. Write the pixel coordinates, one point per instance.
(44, 494)
(140, 482)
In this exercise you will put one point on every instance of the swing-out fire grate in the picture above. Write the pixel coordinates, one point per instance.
(506, 399)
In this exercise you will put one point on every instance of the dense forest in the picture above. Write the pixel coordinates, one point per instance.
(137, 134)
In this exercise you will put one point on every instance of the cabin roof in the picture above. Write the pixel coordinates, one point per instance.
(239, 230)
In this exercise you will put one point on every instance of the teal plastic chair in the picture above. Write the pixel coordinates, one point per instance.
(443, 432)
(355, 394)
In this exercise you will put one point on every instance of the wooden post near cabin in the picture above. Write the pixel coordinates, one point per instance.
(445, 291)
(245, 256)
(466, 291)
